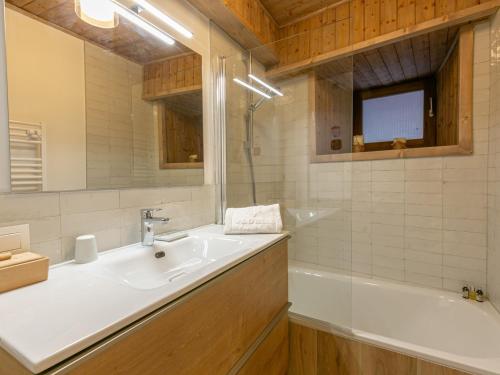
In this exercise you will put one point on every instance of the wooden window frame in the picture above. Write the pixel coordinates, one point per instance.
(464, 146)
(425, 84)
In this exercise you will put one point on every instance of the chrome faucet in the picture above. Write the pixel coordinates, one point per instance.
(147, 225)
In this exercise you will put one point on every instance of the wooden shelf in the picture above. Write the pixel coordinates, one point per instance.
(182, 165)
(173, 92)
(394, 154)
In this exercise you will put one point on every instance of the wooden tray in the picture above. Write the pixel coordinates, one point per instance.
(23, 269)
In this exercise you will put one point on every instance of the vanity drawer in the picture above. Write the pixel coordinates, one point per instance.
(271, 357)
(209, 330)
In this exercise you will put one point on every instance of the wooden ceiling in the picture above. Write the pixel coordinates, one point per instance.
(190, 104)
(405, 60)
(126, 40)
(408, 59)
(286, 11)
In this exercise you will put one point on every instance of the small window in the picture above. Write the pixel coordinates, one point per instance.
(400, 111)
(394, 116)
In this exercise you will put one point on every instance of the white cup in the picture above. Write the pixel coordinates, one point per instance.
(85, 249)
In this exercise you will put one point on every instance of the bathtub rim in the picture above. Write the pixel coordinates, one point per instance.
(480, 366)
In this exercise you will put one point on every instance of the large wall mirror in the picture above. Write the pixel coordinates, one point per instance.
(98, 107)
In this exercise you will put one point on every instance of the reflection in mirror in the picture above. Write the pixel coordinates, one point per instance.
(98, 107)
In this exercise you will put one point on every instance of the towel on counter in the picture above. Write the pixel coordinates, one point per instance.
(255, 219)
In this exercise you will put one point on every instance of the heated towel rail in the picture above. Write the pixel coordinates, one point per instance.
(27, 156)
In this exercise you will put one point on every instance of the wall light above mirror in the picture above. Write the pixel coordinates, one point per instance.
(94, 107)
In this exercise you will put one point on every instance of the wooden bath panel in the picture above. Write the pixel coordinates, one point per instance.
(314, 352)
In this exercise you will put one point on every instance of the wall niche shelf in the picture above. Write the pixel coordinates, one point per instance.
(331, 99)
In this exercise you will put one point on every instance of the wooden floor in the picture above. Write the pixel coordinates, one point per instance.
(314, 352)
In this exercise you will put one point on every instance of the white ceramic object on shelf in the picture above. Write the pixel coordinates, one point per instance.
(85, 249)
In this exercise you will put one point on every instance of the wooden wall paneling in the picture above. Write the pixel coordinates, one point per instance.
(438, 45)
(289, 11)
(424, 10)
(253, 29)
(462, 4)
(315, 35)
(292, 44)
(388, 16)
(444, 7)
(181, 136)
(466, 63)
(328, 37)
(372, 18)
(177, 75)
(304, 39)
(371, 31)
(447, 101)
(358, 20)
(332, 107)
(342, 26)
(406, 13)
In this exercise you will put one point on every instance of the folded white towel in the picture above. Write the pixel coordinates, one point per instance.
(255, 219)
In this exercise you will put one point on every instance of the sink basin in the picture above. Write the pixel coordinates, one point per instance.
(138, 267)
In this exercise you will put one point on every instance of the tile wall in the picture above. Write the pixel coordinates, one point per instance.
(122, 134)
(494, 168)
(56, 219)
(421, 221)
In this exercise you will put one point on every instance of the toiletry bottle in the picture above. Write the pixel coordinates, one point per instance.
(465, 292)
(479, 295)
(472, 293)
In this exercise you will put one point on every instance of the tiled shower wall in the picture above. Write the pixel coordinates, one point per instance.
(421, 221)
(494, 168)
(56, 219)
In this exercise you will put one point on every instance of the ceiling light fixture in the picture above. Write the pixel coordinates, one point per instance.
(164, 18)
(97, 13)
(266, 85)
(250, 87)
(139, 21)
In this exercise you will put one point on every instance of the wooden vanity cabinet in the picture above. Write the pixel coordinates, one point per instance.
(234, 324)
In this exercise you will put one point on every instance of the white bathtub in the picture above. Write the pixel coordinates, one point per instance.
(427, 323)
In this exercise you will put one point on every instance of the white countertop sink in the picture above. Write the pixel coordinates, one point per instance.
(138, 267)
(80, 304)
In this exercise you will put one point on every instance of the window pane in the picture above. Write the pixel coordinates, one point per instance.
(394, 116)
